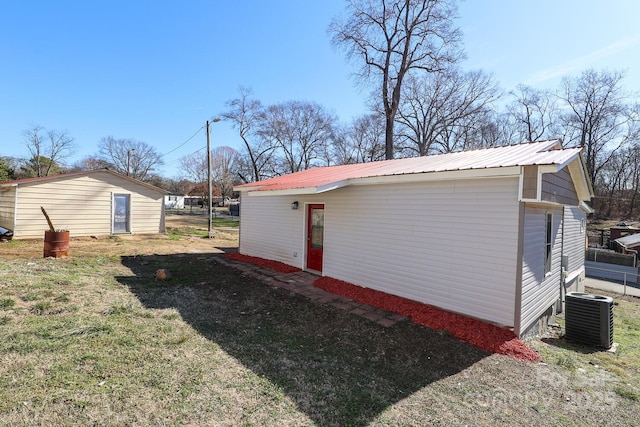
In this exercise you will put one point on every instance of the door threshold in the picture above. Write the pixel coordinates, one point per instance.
(314, 272)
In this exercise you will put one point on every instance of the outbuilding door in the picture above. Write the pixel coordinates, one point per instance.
(315, 236)
(121, 213)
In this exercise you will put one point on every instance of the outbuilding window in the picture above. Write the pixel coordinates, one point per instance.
(548, 242)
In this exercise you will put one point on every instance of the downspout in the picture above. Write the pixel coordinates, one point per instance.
(563, 272)
(517, 313)
(240, 222)
(635, 254)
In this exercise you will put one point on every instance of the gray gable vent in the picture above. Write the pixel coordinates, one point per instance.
(589, 319)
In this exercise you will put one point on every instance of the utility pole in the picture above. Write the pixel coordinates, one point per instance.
(209, 173)
(210, 184)
(129, 159)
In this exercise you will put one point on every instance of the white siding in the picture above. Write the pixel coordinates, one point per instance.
(83, 205)
(172, 201)
(574, 237)
(270, 229)
(539, 292)
(7, 207)
(452, 244)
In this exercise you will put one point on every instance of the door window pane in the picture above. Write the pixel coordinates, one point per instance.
(317, 228)
(121, 214)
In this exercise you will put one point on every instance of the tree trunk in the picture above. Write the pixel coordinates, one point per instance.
(388, 138)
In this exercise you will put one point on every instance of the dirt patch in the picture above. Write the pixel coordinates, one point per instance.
(184, 235)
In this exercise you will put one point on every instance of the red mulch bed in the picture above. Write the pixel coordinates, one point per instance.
(487, 337)
(276, 266)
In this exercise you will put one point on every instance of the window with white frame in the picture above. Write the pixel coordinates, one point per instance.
(548, 246)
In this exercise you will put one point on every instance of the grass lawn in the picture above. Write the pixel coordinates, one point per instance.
(94, 339)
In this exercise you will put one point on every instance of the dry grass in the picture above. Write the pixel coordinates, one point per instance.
(95, 340)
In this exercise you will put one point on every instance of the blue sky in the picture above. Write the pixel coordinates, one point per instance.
(156, 71)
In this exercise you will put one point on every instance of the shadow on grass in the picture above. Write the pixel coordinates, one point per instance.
(339, 368)
(567, 344)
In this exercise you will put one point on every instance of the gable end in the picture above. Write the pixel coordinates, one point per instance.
(558, 188)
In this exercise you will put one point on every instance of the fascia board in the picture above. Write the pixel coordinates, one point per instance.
(586, 208)
(284, 192)
(245, 189)
(581, 180)
(543, 203)
(333, 186)
(389, 179)
(439, 176)
(548, 168)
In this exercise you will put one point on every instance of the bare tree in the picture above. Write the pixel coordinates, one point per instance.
(178, 186)
(619, 184)
(89, 163)
(195, 167)
(442, 111)
(495, 129)
(224, 165)
(224, 168)
(612, 182)
(361, 141)
(298, 130)
(535, 113)
(128, 156)
(633, 180)
(246, 115)
(48, 148)
(599, 118)
(393, 38)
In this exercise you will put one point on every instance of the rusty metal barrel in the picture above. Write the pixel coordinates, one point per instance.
(56, 244)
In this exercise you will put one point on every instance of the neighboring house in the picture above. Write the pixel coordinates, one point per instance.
(194, 201)
(174, 201)
(85, 203)
(621, 230)
(496, 234)
(629, 244)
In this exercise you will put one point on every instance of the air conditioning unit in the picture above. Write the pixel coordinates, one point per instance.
(589, 319)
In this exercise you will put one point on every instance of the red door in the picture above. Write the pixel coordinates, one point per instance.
(315, 236)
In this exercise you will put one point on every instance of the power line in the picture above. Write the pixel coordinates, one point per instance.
(172, 162)
(181, 145)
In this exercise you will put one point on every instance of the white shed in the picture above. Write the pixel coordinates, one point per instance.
(482, 233)
(86, 203)
(174, 201)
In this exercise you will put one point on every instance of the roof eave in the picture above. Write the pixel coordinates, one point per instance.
(31, 181)
(586, 208)
(387, 179)
(580, 177)
(282, 192)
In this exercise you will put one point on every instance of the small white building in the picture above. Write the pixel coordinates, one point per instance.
(98, 202)
(174, 201)
(497, 234)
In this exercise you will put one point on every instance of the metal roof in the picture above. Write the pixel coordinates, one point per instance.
(326, 178)
(630, 240)
(17, 182)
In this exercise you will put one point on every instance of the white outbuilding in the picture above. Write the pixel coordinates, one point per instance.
(98, 202)
(497, 234)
